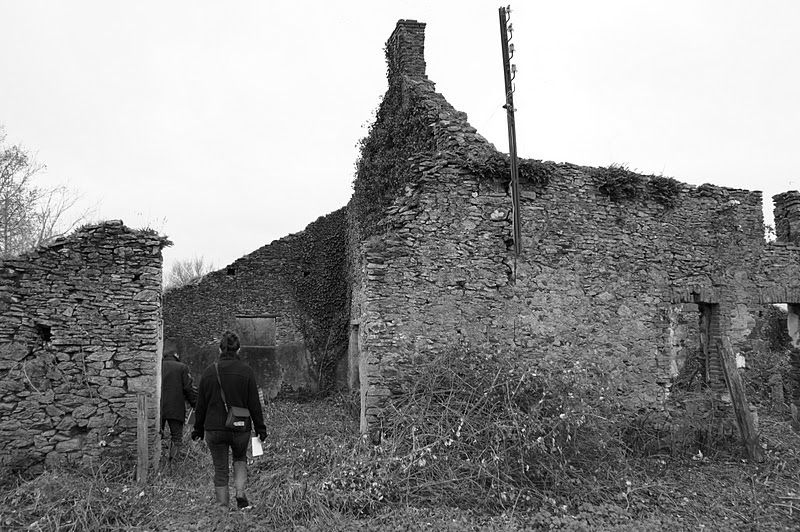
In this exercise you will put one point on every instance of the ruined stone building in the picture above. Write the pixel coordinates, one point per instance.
(80, 337)
(287, 301)
(630, 271)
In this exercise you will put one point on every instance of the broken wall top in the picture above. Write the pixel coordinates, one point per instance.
(454, 143)
(109, 233)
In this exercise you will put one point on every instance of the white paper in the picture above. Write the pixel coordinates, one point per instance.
(256, 444)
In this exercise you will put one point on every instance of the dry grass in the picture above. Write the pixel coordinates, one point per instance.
(318, 474)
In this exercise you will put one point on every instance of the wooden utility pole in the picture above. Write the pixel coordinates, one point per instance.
(509, 72)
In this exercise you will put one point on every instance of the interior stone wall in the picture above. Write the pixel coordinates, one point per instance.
(300, 280)
(79, 340)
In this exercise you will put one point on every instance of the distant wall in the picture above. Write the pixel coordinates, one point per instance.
(297, 284)
(79, 337)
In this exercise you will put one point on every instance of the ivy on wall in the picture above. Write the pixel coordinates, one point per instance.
(399, 133)
(317, 276)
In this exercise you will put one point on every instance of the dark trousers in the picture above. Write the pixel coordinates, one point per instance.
(175, 429)
(219, 441)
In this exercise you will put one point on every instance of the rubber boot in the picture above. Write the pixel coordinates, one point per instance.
(239, 481)
(222, 495)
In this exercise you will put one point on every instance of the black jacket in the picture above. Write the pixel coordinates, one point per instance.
(240, 390)
(176, 389)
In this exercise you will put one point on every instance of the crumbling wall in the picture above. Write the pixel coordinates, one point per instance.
(300, 282)
(613, 263)
(79, 335)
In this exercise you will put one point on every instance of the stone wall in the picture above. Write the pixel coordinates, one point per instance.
(79, 339)
(787, 216)
(603, 278)
(299, 282)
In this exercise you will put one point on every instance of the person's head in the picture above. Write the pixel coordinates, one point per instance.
(229, 343)
(170, 348)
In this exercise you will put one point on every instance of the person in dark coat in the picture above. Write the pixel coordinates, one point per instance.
(176, 390)
(239, 383)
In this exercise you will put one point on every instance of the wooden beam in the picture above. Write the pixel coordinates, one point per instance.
(744, 418)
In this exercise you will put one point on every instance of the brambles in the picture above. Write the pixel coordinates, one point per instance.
(480, 432)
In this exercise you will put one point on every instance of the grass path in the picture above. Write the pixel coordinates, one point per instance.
(310, 443)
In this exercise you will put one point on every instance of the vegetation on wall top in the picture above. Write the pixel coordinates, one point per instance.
(664, 190)
(618, 183)
(497, 166)
(621, 184)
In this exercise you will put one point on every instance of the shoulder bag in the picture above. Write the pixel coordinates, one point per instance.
(238, 417)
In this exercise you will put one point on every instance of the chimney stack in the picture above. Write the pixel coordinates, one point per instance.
(405, 50)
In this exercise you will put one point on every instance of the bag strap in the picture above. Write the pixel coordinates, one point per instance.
(221, 389)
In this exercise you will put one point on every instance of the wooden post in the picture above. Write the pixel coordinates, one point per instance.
(141, 438)
(157, 395)
(744, 419)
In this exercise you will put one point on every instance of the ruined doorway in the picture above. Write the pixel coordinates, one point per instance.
(709, 334)
(793, 323)
(257, 338)
(353, 355)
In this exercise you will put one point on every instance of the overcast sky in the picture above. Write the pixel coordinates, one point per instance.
(226, 125)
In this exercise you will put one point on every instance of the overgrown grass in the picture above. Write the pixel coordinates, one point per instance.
(478, 444)
(77, 497)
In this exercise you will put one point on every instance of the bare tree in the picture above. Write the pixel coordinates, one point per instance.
(30, 215)
(187, 271)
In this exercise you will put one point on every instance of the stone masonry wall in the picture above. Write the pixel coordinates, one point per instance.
(601, 280)
(300, 281)
(787, 216)
(79, 336)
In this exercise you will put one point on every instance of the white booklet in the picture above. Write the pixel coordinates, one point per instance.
(256, 446)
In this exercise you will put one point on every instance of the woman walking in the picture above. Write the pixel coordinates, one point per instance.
(226, 384)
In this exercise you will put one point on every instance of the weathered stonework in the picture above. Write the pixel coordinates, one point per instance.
(300, 282)
(79, 339)
(598, 279)
(637, 274)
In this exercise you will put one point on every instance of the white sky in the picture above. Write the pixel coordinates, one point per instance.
(226, 125)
